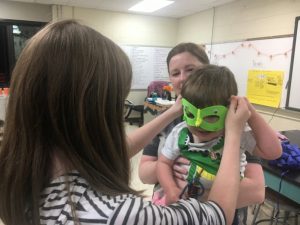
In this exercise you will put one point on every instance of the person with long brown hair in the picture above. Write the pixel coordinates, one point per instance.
(65, 156)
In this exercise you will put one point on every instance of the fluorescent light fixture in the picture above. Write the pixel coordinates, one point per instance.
(150, 5)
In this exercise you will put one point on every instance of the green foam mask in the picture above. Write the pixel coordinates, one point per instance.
(198, 117)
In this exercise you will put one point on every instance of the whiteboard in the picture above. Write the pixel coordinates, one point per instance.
(293, 97)
(264, 54)
(148, 64)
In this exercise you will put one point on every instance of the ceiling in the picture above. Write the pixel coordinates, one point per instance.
(178, 9)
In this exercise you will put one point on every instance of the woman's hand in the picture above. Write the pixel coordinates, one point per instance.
(238, 114)
(180, 171)
(177, 107)
(180, 168)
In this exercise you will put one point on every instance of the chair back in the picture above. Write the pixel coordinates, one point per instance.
(157, 87)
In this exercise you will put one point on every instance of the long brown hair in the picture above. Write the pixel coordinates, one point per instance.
(67, 95)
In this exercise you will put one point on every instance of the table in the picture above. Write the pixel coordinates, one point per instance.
(290, 186)
(154, 109)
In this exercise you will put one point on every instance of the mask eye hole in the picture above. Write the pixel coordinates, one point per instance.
(188, 113)
(211, 119)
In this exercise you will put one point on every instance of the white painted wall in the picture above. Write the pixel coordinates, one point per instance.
(25, 11)
(240, 20)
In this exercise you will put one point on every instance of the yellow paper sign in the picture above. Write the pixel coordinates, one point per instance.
(264, 87)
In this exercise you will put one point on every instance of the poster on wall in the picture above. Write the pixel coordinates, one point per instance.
(264, 87)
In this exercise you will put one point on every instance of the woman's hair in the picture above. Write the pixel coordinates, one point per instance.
(210, 85)
(66, 97)
(1, 131)
(192, 48)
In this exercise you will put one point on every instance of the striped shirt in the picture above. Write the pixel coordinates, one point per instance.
(92, 207)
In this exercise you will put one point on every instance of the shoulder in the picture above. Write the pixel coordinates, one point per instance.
(168, 129)
(174, 135)
(179, 127)
(156, 144)
(81, 202)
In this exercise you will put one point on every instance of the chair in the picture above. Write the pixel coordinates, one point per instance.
(129, 109)
(155, 87)
(282, 209)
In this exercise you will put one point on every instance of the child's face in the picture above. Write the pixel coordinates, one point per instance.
(204, 135)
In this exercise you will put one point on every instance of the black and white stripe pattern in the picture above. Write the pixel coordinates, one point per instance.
(92, 207)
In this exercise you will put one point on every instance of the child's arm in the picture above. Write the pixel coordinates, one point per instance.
(166, 179)
(254, 183)
(267, 143)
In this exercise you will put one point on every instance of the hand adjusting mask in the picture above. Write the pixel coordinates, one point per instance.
(196, 117)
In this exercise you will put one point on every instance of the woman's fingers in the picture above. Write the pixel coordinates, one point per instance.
(182, 160)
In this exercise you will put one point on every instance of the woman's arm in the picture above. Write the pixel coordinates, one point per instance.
(140, 137)
(268, 144)
(228, 174)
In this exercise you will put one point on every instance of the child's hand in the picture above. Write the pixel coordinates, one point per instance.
(238, 114)
(172, 196)
(250, 107)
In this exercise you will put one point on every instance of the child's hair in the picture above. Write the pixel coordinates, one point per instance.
(67, 97)
(192, 48)
(210, 85)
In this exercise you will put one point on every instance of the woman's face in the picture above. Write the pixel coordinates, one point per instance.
(180, 67)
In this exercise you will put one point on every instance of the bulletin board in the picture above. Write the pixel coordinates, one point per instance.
(293, 95)
(242, 57)
(148, 64)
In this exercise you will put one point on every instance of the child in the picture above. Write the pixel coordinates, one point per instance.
(200, 137)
